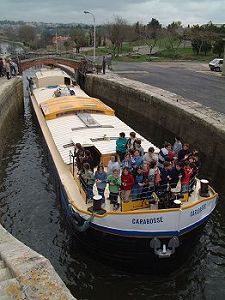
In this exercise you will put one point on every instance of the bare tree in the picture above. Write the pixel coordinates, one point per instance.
(27, 34)
(116, 32)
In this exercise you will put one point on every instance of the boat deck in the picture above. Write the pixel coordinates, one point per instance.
(69, 130)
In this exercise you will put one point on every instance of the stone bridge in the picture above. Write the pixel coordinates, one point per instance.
(56, 61)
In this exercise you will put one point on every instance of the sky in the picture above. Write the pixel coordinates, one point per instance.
(71, 11)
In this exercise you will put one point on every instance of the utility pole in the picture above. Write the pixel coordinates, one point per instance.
(88, 12)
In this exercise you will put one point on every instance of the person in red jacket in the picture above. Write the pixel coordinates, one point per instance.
(186, 177)
(127, 182)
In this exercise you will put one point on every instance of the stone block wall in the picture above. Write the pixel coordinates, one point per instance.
(164, 114)
(11, 104)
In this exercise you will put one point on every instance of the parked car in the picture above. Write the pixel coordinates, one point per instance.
(216, 64)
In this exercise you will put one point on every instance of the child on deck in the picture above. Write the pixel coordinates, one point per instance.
(131, 141)
(100, 179)
(126, 163)
(165, 174)
(79, 154)
(150, 155)
(163, 154)
(114, 182)
(139, 147)
(112, 165)
(88, 159)
(127, 181)
(186, 178)
(138, 184)
(154, 177)
(175, 174)
(137, 160)
(183, 153)
(89, 180)
(177, 146)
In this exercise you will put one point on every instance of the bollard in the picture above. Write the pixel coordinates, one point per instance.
(97, 201)
(204, 188)
(177, 203)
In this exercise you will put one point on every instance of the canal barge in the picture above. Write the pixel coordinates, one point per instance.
(140, 228)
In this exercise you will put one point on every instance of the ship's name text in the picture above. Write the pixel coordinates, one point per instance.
(147, 221)
(198, 210)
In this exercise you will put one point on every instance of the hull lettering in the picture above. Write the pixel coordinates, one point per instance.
(198, 210)
(147, 221)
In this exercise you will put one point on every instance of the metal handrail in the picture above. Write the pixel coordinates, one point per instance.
(146, 194)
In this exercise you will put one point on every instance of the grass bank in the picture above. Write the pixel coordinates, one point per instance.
(126, 54)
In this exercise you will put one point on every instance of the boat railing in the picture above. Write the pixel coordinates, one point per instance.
(76, 177)
(159, 196)
(153, 197)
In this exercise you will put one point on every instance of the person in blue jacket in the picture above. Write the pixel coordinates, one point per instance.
(100, 180)
(137, 160)
(127, 163)
(175, 174)
(138, 184)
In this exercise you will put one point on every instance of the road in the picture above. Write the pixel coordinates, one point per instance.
(191, 80)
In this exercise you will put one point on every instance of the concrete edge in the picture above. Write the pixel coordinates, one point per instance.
(35, 274)
(206, 114)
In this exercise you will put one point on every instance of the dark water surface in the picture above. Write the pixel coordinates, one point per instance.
(29, 209)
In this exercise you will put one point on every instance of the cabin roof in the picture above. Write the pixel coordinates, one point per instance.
(58, 106)
(68, 130)
(43, 73)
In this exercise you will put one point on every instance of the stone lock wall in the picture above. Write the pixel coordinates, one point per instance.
(164, 114)
(11, 104)
(24, 274)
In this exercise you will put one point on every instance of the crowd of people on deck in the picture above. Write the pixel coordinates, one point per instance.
(134, 174)
(8, 68)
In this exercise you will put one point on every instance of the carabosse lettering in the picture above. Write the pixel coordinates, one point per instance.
(198, 210)
(147, 221)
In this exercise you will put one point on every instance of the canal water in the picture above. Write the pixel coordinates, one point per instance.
(30, 210)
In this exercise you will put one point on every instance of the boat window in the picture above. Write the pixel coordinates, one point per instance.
(99, 126)
(111, 138)
(88, 120)
(78, 111)
(68, 145)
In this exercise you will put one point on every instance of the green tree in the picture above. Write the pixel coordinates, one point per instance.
(154, 25)
(218, 47)
(173, 36)
(150, 33)
(202, 38)
(66, 45)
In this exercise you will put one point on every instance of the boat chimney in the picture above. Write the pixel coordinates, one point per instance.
(204, 188)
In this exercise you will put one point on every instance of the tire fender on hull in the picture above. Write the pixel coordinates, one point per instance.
(78, 222)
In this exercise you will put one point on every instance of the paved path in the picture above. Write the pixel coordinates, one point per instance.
(189, 79)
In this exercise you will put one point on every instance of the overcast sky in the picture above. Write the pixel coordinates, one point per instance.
(70, 11)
